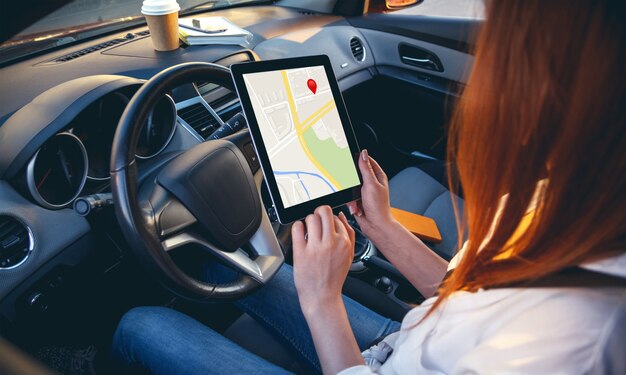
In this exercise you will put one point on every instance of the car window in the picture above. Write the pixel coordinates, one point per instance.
(94, 12)
(474, 9)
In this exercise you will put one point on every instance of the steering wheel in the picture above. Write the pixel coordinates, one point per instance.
(206, 196)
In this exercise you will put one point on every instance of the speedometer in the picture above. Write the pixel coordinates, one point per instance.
(57, 172)
(158, 130)
(96, 127)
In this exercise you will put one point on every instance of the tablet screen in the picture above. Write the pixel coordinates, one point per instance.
(302, 133)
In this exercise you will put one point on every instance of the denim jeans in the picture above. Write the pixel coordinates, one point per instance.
(165, 341)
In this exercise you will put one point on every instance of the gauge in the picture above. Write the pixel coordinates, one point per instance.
(96, 129)
(158, 129)
(57, 172)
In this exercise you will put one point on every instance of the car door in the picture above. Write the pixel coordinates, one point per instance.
(423, 56)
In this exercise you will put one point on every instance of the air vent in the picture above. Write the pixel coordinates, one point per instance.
(228, 112)
(199, 118)
(86, 51)
(356, 46)
(16, 242)
(308, 13)
(224, 100)
(226, 106)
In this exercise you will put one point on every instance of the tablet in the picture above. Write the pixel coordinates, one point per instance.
(301, 131)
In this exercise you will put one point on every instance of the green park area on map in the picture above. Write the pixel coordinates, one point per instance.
(338, 162)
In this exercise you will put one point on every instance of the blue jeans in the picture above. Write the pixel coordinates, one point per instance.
(165, 341)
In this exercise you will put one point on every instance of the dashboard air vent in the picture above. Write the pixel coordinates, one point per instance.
(356, 46)
(308, 13)
(226, 106)
(16, 242)
(199, 118)
(85, 51)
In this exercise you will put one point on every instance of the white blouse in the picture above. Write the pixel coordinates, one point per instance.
(515, 331)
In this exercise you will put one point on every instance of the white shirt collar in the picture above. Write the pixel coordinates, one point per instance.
(615, 266)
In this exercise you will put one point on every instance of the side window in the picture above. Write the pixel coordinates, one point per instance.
(474, 9)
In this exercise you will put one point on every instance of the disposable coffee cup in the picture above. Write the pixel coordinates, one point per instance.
(162, 18)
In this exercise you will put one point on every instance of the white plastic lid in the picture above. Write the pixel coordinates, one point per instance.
(159, 7)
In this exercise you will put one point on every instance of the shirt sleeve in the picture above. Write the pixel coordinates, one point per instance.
(610, 357)
(457, 258)
(357, 370)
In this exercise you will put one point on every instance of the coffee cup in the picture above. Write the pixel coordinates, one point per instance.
(162, 18)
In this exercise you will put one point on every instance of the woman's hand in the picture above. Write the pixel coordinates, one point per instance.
(372, 212)
(322, 259)
(321, 262)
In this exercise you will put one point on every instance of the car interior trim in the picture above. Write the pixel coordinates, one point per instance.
(31, 245)
(30, 176)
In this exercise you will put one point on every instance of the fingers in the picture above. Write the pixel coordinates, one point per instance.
(327, 220)
(298, 241)
(354, 208)
(360, 214)
(314, 228)
(380, 175)
(297, 235)
(345, 225)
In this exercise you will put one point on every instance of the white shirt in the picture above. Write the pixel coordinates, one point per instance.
(515, 331)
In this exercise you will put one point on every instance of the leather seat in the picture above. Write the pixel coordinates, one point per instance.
(415, 190)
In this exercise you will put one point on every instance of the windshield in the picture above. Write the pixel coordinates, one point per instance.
(75, 20)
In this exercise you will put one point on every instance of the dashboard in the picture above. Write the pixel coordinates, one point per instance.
(57, 130)
(60, 111)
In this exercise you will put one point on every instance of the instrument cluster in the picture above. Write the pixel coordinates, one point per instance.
(58, 171)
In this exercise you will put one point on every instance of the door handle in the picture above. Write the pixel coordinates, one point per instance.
(423, 61)
(419, 57)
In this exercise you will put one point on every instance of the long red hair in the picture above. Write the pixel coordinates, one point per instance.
(545, 101)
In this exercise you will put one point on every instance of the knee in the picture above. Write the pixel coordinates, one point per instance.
(283, 280)
(137, 329)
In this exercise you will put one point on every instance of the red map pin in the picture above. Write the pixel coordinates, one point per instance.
(312, 85)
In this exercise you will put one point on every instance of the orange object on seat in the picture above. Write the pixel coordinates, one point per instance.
(423, 227)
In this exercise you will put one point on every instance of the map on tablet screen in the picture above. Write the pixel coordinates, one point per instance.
(302, 132)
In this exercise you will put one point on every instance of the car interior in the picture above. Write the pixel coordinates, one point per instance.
(70, 266)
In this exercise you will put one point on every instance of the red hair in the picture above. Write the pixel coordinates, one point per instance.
(546, 100)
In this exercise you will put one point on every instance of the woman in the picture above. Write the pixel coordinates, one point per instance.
(538, 140)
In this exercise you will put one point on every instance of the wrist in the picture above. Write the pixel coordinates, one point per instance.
(385, 232)
(320, 306)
